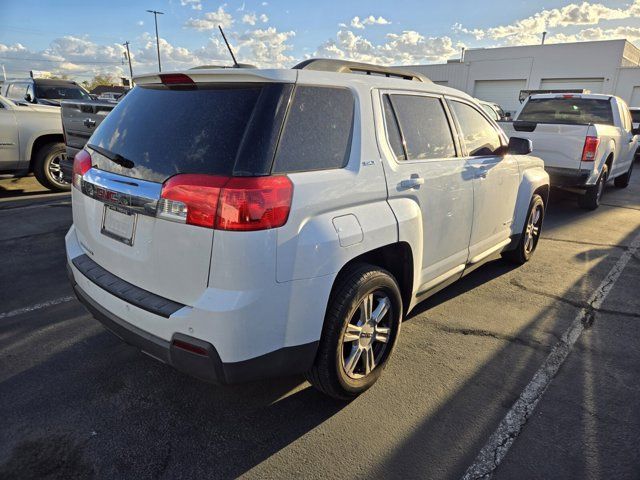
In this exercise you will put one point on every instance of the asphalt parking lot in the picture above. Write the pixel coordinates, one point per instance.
(76, 402)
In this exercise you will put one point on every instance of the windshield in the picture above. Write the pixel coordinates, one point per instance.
(571, 110)
(61, 92)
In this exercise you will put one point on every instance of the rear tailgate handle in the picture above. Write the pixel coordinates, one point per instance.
(89, 123)
(413, 182)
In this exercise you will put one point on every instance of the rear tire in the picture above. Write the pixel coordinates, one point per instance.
(363, 315)
(530, 233)
(590, 200)
(46, 167)
(623, 180)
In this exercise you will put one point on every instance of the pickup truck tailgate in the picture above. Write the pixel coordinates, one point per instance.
(559, 145)
(80, 119)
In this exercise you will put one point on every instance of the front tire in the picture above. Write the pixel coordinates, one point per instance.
(623, 180)
(530, 234)
(47, 168)
(590, 200)
(360, 330)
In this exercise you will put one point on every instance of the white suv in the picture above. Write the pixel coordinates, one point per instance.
(241, 224)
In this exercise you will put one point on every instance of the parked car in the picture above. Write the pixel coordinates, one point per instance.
(109, 96)
(44, 91)
(584, 139)
(31, 141)
(242, 224)
(494, 111)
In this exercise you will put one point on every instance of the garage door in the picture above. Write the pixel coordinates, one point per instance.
(635, 97)
(593, 84)
(503, 92)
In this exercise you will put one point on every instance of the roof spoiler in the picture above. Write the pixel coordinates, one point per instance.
(345, 66)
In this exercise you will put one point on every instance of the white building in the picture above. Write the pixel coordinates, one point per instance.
(498, 74)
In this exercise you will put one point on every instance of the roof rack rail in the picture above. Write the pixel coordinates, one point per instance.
(345, 66)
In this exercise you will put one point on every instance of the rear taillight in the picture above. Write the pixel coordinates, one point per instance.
(227, 203)
(590, 149)
(254, 203)
(81, 164)
(191, 199)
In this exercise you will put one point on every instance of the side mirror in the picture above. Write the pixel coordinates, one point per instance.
(507, 115)
(28, 97)
(519, 146)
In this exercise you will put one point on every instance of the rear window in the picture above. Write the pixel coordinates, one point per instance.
(635, 116)
(61, 92)
(215, 129)
(568, 111)
(317, 135)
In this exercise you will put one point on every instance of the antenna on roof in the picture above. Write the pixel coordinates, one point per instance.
(235, 62)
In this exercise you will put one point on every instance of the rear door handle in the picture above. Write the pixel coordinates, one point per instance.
(412, 182)
(89, 123)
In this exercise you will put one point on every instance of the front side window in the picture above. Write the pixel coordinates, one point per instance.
(318, 130)
(17, 90)
(424, 126)
(478, 135)
(490, 111)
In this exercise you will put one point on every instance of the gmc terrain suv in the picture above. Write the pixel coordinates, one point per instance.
(241, 224)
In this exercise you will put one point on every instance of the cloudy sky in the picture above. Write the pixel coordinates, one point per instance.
(83, 38)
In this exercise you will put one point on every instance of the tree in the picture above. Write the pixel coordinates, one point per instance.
(100, 79)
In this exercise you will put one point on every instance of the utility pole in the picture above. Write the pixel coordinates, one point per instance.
(155, 17)
(544, 35)
(126, 44)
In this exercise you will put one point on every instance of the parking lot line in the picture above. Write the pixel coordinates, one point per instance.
(495, 450)
(37, 306)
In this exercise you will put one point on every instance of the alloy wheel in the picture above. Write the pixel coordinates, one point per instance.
(532, 232)
(55, 170)
(367, 335)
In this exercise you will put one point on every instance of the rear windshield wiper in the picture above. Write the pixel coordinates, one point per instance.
(114, 157)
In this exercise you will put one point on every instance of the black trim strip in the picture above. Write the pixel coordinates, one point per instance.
(124, 290)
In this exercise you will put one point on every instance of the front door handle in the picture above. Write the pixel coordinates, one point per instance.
(412, 182)
(481, 173)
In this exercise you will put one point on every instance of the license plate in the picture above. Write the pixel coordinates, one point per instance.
(119, 224)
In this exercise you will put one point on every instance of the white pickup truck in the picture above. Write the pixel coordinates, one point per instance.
(584, 140)
(31, 140)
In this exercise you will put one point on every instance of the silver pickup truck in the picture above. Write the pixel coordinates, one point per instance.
(79, 120)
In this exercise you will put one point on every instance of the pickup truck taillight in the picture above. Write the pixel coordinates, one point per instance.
(227, 203)
(590, 149)
(81, 164)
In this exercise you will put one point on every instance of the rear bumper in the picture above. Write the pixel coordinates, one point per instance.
(568, 177)
(207, 364)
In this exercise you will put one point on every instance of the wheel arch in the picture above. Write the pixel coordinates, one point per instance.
(397, 258)
(40, 142)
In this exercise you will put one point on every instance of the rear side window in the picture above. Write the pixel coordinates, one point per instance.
(572, 111)
(318, 130)
(424, 126)
(169, 131)
(478, 134)
(393, 132)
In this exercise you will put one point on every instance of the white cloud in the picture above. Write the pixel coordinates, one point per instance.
(264, 18)
(408, 47)
(249, 18)
(140, 23)
(211, 20)
(528, 30)
(194, 4)
(266, 47)
(357, 22)
(264, 4)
